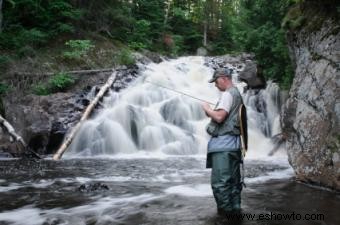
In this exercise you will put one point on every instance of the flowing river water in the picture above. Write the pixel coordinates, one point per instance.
(141, 160)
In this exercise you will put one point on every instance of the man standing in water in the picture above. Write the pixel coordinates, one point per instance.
(224, 154)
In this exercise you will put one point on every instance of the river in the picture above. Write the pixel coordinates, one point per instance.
(141, 160)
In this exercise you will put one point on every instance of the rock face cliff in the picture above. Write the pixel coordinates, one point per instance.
(311, 115)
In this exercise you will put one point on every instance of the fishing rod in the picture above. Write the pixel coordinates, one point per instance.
(179, 92)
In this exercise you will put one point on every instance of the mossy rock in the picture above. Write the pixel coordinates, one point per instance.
(294, 19)
(310, 15)
(334, 144)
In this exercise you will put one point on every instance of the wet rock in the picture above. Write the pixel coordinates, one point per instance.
(93, 187)
(244, 64)
(5, 155)
(309, 116)
(252, 75)
(152, 56)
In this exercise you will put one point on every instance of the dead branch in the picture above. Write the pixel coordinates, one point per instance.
(84, 117)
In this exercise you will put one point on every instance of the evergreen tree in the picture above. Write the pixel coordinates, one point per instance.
(258, 29)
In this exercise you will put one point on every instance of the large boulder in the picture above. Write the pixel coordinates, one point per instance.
(252, 75)
(244, 64)
(311, 115)
(36, 117)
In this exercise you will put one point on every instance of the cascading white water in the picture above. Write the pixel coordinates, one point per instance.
(132, 134)
(148, 118)
(264, 105)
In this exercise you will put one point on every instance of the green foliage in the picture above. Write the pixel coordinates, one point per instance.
(60, 82)
(185, 31)
(293, 19)
(26, 51)
(125, 57)
(34, 22)
(41, 89)
(232, 26)
(137, 45)
(260, 32)
(149, 20)
(4, 61)
(111, 18)
(139, 38)
(178, 45)
(20, 37)
(57, 83)
(4, 88)
(78, 49)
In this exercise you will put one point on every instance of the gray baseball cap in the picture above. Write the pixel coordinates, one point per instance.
(221, 72)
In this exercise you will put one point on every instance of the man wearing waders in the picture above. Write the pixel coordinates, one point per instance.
(224, 150)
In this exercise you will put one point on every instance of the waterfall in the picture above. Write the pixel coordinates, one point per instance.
(150, 119)
(265, 107)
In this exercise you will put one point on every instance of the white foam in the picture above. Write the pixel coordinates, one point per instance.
(105, 178)
(202, 190)
(176, 176)
(44, 183)
(138, 155)
(199, 190)
(23, 216)
(113, 208)
(275, 175)
(11, 187)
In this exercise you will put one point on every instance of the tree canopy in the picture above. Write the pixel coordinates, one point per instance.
(173, 27)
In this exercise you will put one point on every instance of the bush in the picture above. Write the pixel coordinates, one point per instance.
(140, 38)
(3, 88)
(79, 49)
(34, 36)
(21, 37)
(41, 89)
(125, 57)
(60, 82)
(4, 61)
(137, 45)
(26, 51)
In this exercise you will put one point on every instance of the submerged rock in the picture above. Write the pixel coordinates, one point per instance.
(93, 187)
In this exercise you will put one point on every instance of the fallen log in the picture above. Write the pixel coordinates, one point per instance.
(69, 72)
(84, 117)
(9, 128)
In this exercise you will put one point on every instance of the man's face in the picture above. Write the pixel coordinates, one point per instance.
(221, 83)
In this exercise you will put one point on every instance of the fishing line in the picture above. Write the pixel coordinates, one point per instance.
(179, 92)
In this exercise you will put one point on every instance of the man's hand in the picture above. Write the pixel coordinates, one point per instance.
(217, 115)
(206, 107)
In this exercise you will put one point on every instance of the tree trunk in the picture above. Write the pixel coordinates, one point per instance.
(167, 11)
(0, 16)
(84, 117)
(205, 34)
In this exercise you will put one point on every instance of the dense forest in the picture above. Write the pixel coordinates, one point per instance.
(169, 27)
